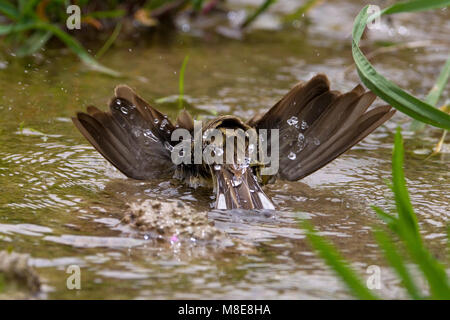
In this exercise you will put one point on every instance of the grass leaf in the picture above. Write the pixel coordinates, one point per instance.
(8, 10)
(109, 41)
(302, 10)
(384, 88)
(35, 42)
(181, 82)
(68, 40)
(435, 92)
(386, 243)
(333, 259)
(263, 7)
(408, 229)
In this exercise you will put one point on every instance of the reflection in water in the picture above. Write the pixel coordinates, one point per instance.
(64, 204)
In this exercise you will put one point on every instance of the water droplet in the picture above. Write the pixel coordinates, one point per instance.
(217, 167)
(136, 132)
(218, 151)
(236, 181)
(163, 124)
(316, 141)
(124, 110)
(146, 237)
(304, 125)
(149, 134)
(301, 137)
(168, 146)
(118, 102)
(292, 156)
(156, 121)
(292, 121)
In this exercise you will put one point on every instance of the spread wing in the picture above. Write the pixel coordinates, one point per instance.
(133, 136)
(316, 125)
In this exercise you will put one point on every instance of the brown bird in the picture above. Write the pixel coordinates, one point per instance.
(315, 125)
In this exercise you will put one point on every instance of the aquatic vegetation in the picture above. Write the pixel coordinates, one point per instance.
(181, 83)
(401, 243)
(30, 24)
(388, 91)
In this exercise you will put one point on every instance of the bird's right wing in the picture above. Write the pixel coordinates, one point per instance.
(316, 125)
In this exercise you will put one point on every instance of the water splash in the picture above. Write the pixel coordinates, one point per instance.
(292, 121)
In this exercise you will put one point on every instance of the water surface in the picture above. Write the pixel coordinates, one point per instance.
(61, 202)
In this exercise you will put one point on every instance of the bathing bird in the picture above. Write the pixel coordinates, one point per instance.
(305, 130)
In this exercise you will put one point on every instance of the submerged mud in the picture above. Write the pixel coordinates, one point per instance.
(19, 279)
(173, 221)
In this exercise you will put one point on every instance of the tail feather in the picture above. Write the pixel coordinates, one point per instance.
(239, 188)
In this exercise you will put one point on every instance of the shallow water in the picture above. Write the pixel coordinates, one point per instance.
(62, 202)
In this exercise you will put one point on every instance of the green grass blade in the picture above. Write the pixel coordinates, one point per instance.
(415, 5)
(263, 7)
(34, 43)
(406, 214)
(197, 4)
(386, 243)
(435, 92)
(68, 40)
(301, 11)
(387, 90)
(408, 229)
(389, 219)
(6, 29)
(27, 7)
(110, 40)
(9, 10)
(334, 260)
(181, 82)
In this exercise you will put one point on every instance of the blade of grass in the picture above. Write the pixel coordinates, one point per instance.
(386, 243)
(384, 88)
(112, 38)
(333, 259)
(389, 219)
(403, 203)
(415, 5)
(34, 43)
(68, 40)
(302, 10)
(435, 92)
(263, 7)
(9, 10)
(181, 82)
(197, 4)
(408, 229)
